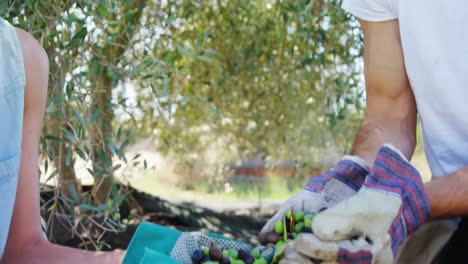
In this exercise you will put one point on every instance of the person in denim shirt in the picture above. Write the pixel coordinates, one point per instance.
(24, 70)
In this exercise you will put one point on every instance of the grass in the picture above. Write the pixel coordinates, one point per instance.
(273, 188)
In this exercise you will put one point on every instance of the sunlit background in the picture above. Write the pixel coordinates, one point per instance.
(228, 104)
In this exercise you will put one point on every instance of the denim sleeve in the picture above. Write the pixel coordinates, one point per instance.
(12, 83)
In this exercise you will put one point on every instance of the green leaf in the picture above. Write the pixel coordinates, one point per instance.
(78, 115)
(78, 38)
(94, 115)
(51, 176)
(214, 110)
(123, 146)
(80, 153)
(87, 151)
(165, 85)
(116, 167)
(102, 208)
(119, 133)
(46, 166)
(52, 137)
(4, 6)
(184, 51)
(112, 224)
(153, 89)
(203, 58)
(211, 52)
(30, 4)
(114, 191)
(68, 157)
(102, 10)
(199, 40)
(185, 99)
(114, 22)
(86, 207)
(73, 193)
(72, 18)
(69, 90)
(104, 158)
(112, 148)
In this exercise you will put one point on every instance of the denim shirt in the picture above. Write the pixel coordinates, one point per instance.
(12, 83)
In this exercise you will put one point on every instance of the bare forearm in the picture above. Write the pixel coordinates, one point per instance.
(43, 252)
(448, 195)
(374, 133)
(390, 104)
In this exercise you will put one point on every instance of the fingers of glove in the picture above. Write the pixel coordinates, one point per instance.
(294, 260)
(303, 200)
(270, 225)
(310, 246)
(342, 221)
(330, 226)
(336, 191)
(291, 256)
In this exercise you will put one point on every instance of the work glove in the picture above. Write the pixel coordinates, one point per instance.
(153, 243)
(324, 190)
(370, 226)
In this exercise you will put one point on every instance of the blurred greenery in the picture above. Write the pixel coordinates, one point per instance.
(279, 78)
(208, 82)
(272, 188)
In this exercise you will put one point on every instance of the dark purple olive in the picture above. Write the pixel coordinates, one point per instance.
(272, 237)
(243, 254)
(197, 255)
(249, 259)
(205, 259)
(306, 230)
(226, 260)
(216, 254)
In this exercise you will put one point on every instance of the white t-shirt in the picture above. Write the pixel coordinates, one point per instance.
(434, 36)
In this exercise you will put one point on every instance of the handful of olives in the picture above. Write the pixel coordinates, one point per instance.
(216, 255)
(289, 227)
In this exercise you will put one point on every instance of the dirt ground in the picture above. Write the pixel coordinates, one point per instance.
(242, 225)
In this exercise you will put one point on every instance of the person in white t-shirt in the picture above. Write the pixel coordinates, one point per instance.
(373, 206)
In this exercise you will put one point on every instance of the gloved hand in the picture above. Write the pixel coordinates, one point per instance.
(301, 250)
(324, 190)
(158, 244)
(291, 256)
(370, 226)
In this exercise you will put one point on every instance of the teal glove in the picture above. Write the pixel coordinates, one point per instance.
(158, 244)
